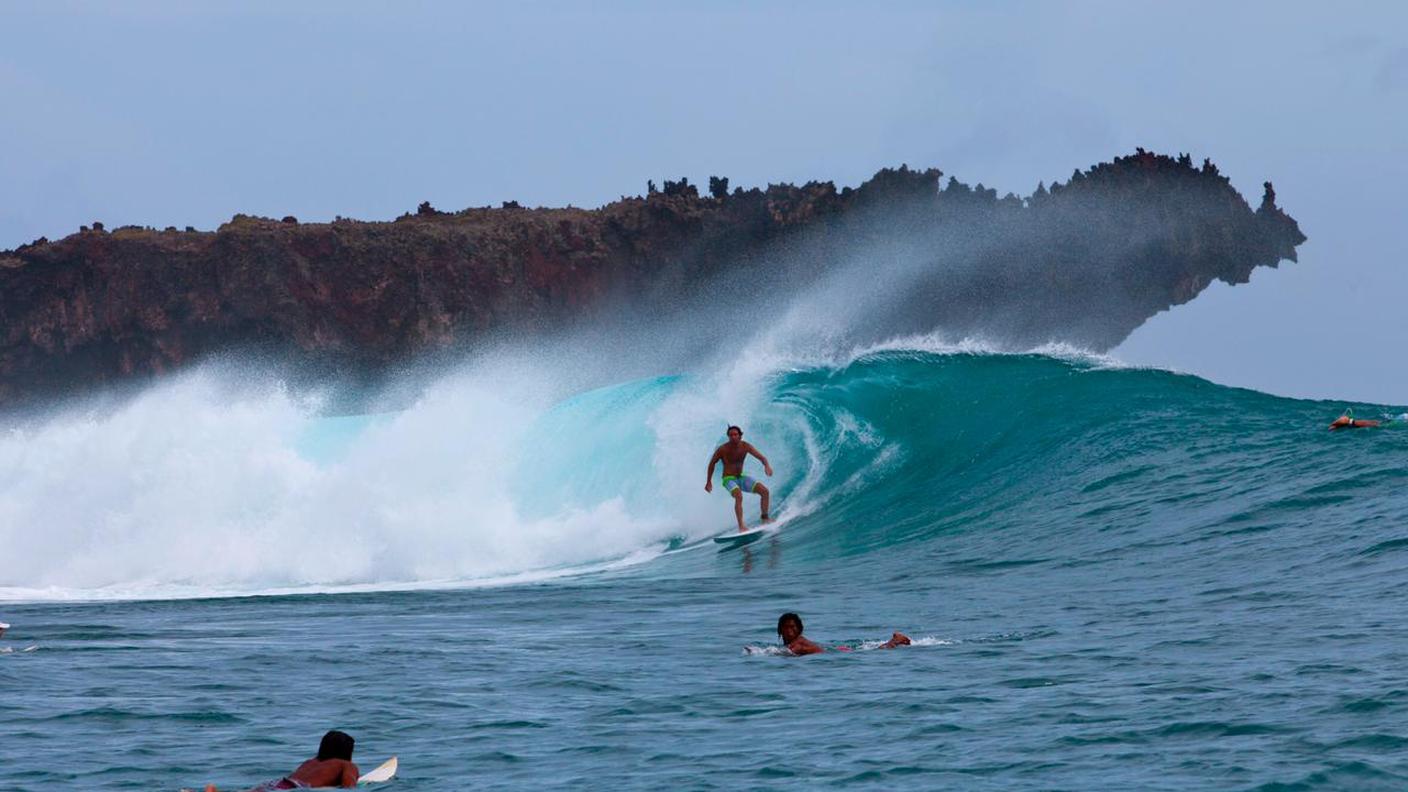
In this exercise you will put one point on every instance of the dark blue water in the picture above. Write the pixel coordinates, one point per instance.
(1116, 579)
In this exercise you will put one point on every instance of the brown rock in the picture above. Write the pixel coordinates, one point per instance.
(1086, 262)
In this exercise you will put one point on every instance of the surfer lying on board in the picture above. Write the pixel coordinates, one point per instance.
(1348, 421)
(789, 629)
(733, 454)
(332, 767)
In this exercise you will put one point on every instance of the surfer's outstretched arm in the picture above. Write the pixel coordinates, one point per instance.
(709, 476)
(759, 454)
(803, 646)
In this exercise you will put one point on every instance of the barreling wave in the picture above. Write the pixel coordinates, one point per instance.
(493, 479)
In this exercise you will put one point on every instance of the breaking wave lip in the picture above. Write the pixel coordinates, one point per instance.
(939, 344)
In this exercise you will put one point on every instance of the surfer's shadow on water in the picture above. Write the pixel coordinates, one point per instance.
(750, 543)
(772, 556)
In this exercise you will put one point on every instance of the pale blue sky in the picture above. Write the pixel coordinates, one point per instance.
(179, 113)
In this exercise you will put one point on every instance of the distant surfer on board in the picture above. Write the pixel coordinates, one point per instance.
(789, 629)
(733, 454)
(1348, 421)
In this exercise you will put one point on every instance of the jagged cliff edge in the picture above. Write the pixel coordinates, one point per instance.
(1086, 261)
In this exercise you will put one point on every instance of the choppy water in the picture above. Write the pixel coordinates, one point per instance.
(1121, 579)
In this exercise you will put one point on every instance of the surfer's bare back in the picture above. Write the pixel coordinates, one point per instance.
(332, 767)
(733, 454)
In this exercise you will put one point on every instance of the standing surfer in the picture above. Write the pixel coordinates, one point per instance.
(733, 454)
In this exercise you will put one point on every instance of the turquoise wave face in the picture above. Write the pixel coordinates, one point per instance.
(905, 447)
(330, 437)
(591, 448)
(185, 493)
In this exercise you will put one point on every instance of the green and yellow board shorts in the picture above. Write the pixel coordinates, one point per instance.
(746, 483)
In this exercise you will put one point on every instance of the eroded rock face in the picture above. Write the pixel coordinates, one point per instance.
(1086, 262)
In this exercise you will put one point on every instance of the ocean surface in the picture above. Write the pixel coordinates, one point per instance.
(1116, 578)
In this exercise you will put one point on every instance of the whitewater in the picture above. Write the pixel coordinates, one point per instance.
(1116, 577)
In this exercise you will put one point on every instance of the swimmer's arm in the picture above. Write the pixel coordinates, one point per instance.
(802, 646)
(755, 452)
(350, 774)
(709, 476)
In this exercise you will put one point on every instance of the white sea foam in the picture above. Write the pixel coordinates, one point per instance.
(187, 491)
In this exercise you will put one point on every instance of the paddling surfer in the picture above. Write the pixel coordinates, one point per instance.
(1348, 421)
(789, 629)
(332, 767)
(733, 454)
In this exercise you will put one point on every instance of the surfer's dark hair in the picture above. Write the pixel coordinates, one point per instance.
(787, 617)
(335, 745)
(731, 428)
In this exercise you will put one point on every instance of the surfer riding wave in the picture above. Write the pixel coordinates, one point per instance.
(733, 454)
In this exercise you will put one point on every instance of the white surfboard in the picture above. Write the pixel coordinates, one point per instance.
(385, 772)
(735, 539)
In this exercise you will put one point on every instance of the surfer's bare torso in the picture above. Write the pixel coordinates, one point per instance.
(733, 455)
(326, 773)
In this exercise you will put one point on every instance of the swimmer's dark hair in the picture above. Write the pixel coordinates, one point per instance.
(731, 428)
(787, 617)
(335, 745)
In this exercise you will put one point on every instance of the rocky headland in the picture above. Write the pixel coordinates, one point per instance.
(1085, 261)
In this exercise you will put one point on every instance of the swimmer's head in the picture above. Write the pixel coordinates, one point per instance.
(335, 745)
(734, 433)
(789, 627)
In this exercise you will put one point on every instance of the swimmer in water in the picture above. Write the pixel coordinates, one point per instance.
(789, 629)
